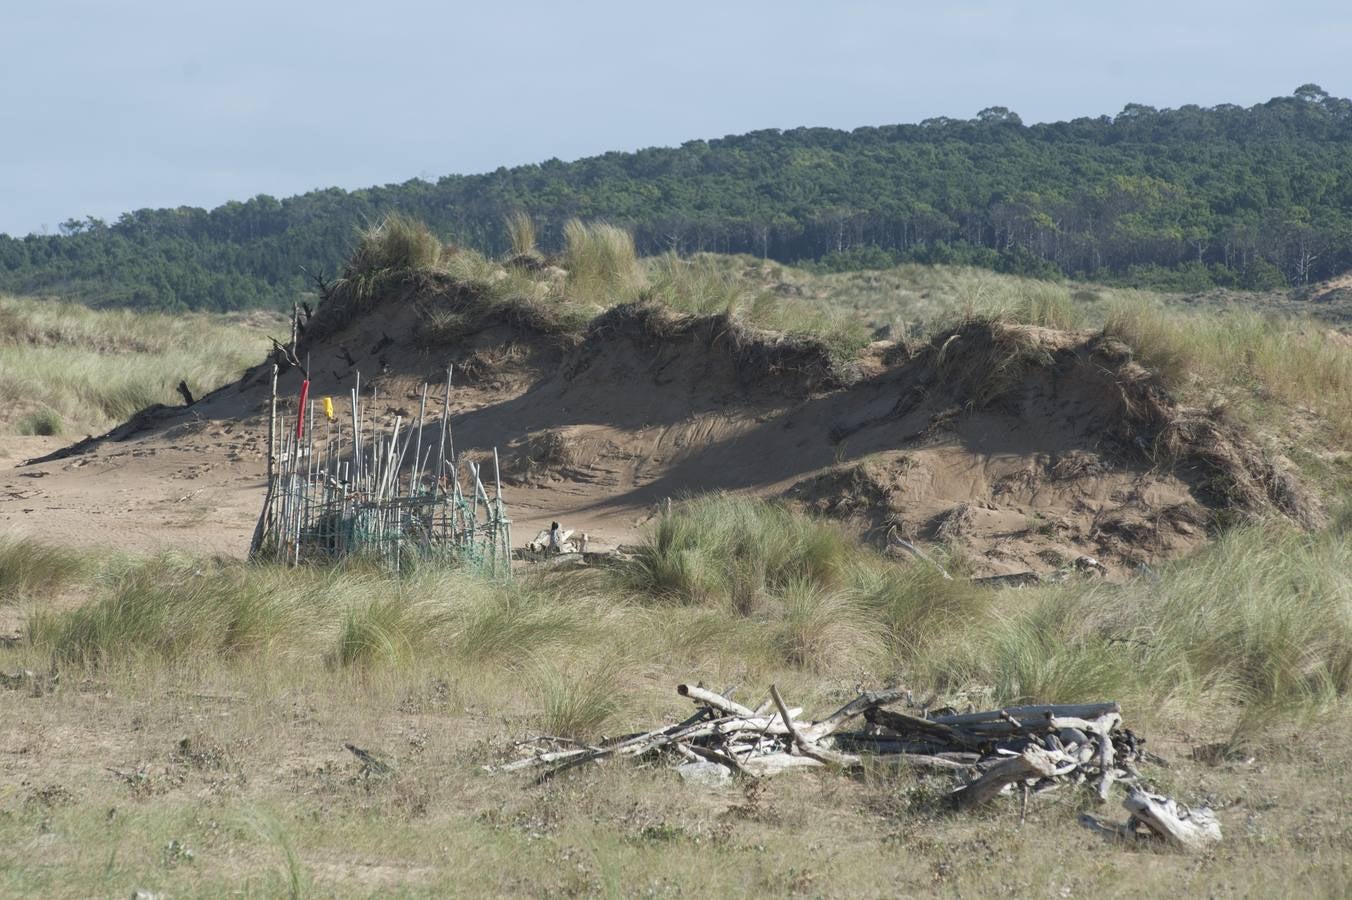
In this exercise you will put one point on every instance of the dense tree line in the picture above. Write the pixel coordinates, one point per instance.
(1188, 197)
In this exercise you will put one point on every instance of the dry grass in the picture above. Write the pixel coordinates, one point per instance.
(68, 369)
(193, 743)
(397, 243)
(600, 270)
(281, 809)
(1265, 365)
(195, 740)
(385, 256)
(1259, 364)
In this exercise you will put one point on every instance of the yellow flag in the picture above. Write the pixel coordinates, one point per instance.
(328, 408)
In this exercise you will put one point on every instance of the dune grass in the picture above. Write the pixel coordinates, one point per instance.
(521, 233)
(597, 269)
(1248, 357)
(67, 369)
(1259, 622)
(30, 569)
(602, 264)
(1240, 353)
(1262, 620)
(395, 243)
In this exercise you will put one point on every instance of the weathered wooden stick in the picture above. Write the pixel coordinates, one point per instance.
(621, 743)
(1103, 728)
(1179, 826)
(921, 761)
(260, 530)
(1031, 763)
(716, 701)
(891, 743)
(740, 725)
(1085, 725)
(414, 485)
(445, 417)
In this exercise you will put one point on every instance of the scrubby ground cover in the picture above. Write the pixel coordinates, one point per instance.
(66, 369)
(184, 728)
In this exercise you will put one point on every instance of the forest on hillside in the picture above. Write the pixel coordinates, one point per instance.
(1187, 198)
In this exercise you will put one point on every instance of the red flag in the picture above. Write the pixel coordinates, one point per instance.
(300, 415)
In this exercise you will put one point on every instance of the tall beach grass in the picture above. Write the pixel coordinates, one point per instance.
(1260, 622)
(67, 369)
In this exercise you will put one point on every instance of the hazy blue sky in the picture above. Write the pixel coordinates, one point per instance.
(112, 105)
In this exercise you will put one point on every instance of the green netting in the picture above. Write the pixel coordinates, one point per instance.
(440, 527)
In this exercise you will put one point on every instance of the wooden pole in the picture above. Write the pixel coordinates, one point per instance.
(260, 530)
(445, 419)
(416, 475)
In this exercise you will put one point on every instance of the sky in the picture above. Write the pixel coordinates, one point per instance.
(108, 106)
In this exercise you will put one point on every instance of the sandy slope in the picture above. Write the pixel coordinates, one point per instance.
(644, 408)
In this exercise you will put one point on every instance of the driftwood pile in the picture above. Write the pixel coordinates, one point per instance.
(1028, 749)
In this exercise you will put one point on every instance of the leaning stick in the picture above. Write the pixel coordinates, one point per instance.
(417, 446)
(712, 755)
(902, 723)
(1028, 715)
(806, 747)
(445, 417)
